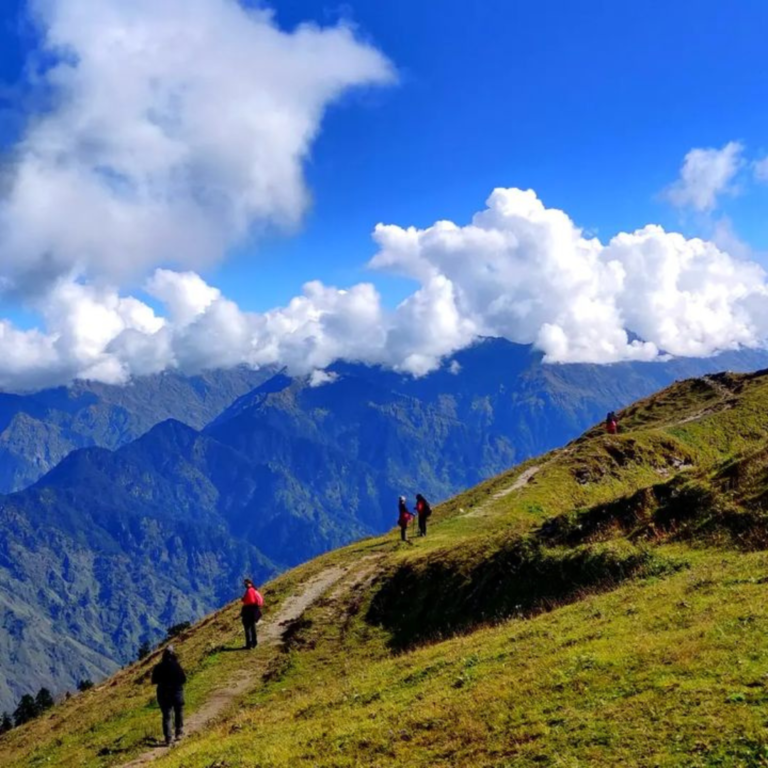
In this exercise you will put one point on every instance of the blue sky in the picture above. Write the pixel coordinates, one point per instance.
(619, 114)
(592, 104)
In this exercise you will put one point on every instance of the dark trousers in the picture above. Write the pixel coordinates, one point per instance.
(172, 705)
(422, 525)
(250, 615)
(403, 533)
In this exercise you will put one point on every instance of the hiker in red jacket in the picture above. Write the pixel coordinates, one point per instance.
(404, 517)
(611, 424)
(251, 613)
(423, 510)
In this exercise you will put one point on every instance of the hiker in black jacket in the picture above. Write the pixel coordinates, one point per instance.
(169, 678)
(423, 510)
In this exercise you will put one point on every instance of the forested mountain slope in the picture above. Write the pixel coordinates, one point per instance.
(38, 430)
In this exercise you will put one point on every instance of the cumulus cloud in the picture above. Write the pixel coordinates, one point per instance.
(518, 270)
(94, 333)
(527, 273)
(174, 129)
(705, 175)
(83, 321)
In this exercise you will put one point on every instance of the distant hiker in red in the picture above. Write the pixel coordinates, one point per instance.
(253, 602)
(611, 424)
(404, 517)
(169, 678)
(423, 510)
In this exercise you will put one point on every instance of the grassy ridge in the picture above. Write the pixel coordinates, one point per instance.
(611, 611)
(659, 672)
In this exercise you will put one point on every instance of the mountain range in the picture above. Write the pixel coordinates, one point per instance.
(115, 544)
(38, 430)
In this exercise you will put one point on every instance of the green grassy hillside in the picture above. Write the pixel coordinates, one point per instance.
(604, 604)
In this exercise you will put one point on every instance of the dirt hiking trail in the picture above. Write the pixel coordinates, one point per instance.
(523, 480)
(245, 680)
(725, 402)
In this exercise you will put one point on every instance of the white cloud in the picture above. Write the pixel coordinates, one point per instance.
(186, 295)
(425, 327)
(83, 322)
(705, 175)
(518, 270)
(521, 271)
(177, 127)
(526, 272)
(318, 378)
(28, 359)
(760, 169)
(726, 239)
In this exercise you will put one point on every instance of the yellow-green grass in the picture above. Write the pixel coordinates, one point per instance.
(665, 672)
(656, 663)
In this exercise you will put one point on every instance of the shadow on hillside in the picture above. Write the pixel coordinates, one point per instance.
(450, 593)
(727, 507)
(150, 742)
(228, 649)
(113, 751)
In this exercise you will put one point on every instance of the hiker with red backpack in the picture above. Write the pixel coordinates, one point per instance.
(404, 517)
(423, 510)
(253, 602)
(611, 424)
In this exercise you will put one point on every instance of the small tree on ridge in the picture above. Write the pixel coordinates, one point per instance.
(144, 650)
(26, 710)
(43, 700)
